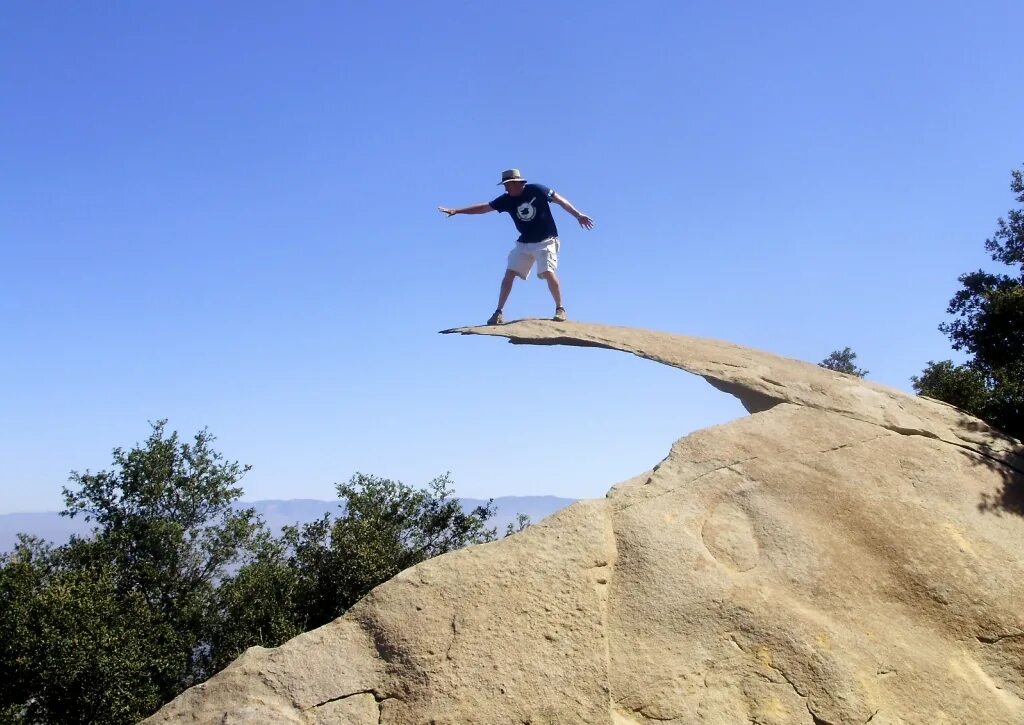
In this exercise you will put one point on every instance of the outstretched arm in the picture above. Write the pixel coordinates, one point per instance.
(475, 209)
(585, 221)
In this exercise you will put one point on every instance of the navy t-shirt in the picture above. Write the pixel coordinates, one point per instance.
(530, 211)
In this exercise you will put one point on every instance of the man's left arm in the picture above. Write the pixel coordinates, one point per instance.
(585, 221)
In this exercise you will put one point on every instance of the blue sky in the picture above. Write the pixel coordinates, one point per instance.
(224, 214)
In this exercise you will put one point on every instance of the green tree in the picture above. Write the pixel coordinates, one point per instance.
(959, 385)
(78, 650)
(22, 575)
(108, 627)
(315, 572)
(166, 518)
(521, 523)
(988, 326)
(842, 362)
(258, 606)
(384, 527)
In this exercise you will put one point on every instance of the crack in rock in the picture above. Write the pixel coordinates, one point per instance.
(687, 483)
(378, 699)
(640, 711)
(380, 709)
(455, 632)
(978, 451)
(376, 696)
(997, 638)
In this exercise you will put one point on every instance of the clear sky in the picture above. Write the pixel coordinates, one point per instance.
(224, 214)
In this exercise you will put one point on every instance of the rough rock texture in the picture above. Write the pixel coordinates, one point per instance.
(845, 554)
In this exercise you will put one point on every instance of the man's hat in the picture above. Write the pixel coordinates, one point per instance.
(511, 175)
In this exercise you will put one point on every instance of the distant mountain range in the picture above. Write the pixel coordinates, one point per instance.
(57, 529)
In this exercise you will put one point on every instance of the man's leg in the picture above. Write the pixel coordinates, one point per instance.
(547, 262)
(553, 287)
(506, 288)
(556, 292)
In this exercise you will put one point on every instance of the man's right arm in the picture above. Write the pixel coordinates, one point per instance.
(475, 209)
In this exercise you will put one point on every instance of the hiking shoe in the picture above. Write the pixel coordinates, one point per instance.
(496, 318)
(559, 314)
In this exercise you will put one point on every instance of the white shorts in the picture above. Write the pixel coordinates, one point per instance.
(522, 257)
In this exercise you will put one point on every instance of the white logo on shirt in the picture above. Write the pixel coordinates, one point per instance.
(525, 211)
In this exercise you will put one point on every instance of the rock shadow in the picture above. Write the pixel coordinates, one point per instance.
(1008, 500)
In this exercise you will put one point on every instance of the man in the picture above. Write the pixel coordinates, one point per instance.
(528, 206)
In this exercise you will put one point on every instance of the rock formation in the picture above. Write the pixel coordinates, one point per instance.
(845, 554)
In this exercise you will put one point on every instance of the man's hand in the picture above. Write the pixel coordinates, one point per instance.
(446, 210)
(585, 221)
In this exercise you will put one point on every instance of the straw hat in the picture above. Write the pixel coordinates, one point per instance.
(511, 175)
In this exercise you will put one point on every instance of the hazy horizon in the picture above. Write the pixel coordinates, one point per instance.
(51, 526)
